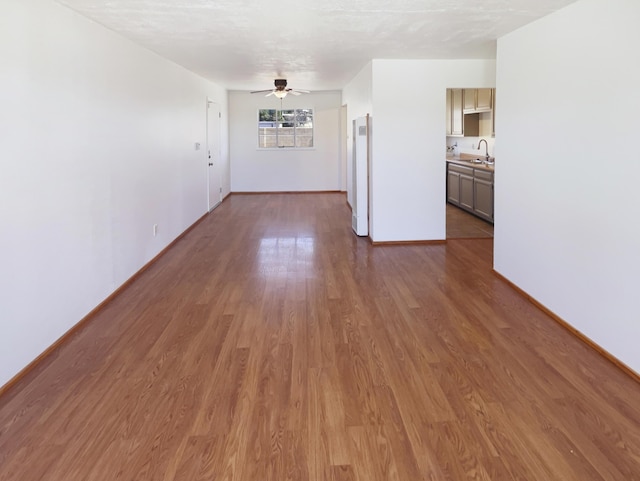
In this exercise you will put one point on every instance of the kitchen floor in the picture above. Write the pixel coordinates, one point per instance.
(462, 225)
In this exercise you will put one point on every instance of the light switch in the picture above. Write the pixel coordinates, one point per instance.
(197, 145)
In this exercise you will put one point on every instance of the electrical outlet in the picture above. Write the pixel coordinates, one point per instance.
(155, 230)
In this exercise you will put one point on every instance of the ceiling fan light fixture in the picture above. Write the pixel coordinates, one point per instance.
(281, 90)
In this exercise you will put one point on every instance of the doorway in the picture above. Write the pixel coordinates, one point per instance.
(214, 185)
(469, 181)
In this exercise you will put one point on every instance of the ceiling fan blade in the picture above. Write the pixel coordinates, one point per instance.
(261, 91)
(294, 92)
(270, 93)
(303, 91)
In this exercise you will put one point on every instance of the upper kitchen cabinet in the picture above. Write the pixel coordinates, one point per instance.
(477, 100)
(493, 113)
(455, 119)
(462, 121)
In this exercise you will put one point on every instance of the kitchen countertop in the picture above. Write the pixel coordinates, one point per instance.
(465, 159)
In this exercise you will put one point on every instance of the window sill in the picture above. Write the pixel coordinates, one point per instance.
(286, 149)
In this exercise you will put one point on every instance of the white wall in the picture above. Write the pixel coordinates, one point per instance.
(409, 137)
(96, 145)
(356, 95)
(567, 221)
(263, 170)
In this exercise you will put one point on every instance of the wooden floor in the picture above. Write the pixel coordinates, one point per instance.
(272, 344)
(462, 225)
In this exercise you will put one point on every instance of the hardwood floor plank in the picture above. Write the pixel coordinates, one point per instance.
(271, 343)
(297, 407)
(342, 473)
(574, 412)
(348, 386)
(460, 459)
(400, 442)
(317, 428)
(404, 374)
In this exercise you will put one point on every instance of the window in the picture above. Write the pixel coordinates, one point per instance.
(285, 128)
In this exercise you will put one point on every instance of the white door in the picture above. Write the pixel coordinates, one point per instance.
(213, 154)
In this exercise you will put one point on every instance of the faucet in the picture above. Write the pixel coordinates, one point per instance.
(486, 146)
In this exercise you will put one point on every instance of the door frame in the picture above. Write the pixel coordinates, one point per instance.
(212, 157)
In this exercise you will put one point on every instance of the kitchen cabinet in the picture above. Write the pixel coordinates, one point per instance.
(471, 189)
(483, 194)
(493, 113)
(477, 100)
(449, 115)
(461, 124)
(469, 100)
(483, 99)
(453, 187)
(455, 118)
(467, 191)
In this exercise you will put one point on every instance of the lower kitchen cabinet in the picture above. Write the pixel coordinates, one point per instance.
(483, 199)
(453, 187)
(471, 189)
(466, 191)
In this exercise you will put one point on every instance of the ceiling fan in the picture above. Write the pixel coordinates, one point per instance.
(281, 89)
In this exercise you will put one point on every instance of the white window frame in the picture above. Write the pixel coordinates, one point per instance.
(295, 128)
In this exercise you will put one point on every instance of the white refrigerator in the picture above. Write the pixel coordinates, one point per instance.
(360, 177)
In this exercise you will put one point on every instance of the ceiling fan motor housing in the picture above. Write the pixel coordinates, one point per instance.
(280, 83)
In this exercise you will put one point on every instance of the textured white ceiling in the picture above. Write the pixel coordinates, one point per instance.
(316, 45)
